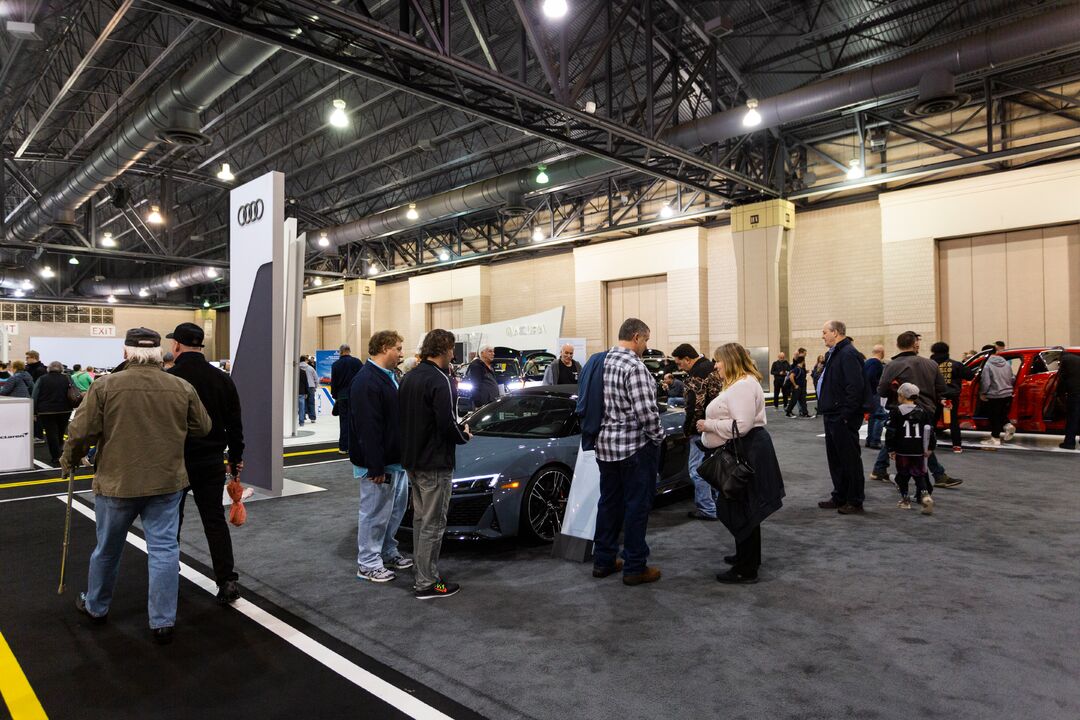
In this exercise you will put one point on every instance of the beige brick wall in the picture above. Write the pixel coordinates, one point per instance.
(392, 311)
(835, 273)
(722, 293)
(530, 286)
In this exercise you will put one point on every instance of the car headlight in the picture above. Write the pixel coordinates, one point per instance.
(475, 483)
(466, 386)
(514, 385)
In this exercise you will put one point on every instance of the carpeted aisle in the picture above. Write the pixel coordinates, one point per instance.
(220, 665)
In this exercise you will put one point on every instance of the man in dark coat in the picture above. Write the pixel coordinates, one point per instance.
(485, 386)
(342, 373)
(954, 373)
(375, 453)
(203, 455)
(841, 393)
(1068, 386)
(779, 371)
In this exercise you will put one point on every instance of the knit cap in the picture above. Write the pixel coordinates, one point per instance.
(908, 390)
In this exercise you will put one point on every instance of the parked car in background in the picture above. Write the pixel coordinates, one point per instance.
(536, 364)
(513, 478)
(1036, 406)
(507, 374)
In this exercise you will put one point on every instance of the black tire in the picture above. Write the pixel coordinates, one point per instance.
(543, 504)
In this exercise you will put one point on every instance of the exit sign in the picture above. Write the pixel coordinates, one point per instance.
(102, 331)
(11, 328)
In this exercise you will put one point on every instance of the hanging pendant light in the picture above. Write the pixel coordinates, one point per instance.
(107, 240)
(411, 213)
(323, 240)
(338, 117)
(226, 173)
(155, 218)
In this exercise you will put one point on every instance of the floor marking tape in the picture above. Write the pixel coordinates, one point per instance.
(29, 483)
(50, 495)
(312, 452)
(21, 700)
(388, 693)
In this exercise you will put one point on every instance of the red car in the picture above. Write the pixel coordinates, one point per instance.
(1036, 406)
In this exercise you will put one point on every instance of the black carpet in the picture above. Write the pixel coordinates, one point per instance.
(220, 665)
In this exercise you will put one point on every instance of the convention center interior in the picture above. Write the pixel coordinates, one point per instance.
(539, 359)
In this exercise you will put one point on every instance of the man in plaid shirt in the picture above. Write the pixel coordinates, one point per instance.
(628, 453)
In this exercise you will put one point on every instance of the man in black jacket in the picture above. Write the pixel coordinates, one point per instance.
(701, 388)
(375, 452)
(342, 373)
(485, 386)
(429, 436)
(1068, 386)
(203, 456)
(954, 373)
(36, 368)
(841, 392)
(779, 371)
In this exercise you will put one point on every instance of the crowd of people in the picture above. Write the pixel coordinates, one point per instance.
(401, 431)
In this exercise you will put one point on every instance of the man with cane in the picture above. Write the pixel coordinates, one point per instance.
(139, 420)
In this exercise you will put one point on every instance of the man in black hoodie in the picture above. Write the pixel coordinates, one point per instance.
(955, 373)
(429, 439)
(203, 455)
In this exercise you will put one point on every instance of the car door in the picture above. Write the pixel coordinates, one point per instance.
(1034, 396)
(971, 415)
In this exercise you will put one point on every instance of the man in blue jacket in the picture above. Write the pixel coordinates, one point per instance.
(841, 393)
(342, 373)
(375, 452)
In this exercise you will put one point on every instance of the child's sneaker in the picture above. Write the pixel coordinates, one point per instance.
(905, 503)
(927, 505)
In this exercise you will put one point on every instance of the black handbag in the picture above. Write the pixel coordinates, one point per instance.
(726, 469)
(74, 395)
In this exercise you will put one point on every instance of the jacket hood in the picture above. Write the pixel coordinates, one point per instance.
(996, 360)
(939, 357)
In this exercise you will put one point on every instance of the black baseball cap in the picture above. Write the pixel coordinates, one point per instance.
(142, 337)
(188, 334)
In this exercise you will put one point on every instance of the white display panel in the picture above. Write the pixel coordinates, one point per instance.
(97, 352)
(16, 443)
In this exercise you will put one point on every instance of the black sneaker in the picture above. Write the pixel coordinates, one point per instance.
(733, 578)
(730, 559)
(438, 590)
(947, 482)
(162, 635)
(228, 592)
(80, 605)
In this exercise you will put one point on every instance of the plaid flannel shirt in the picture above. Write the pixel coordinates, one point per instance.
(631, 417)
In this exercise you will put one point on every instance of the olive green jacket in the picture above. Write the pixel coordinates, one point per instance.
(139, 420)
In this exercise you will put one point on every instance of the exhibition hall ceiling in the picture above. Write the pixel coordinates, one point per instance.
(375, 110)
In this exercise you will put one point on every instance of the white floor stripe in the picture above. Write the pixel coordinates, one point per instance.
(388, 693)
(50, 495)
(42, 465)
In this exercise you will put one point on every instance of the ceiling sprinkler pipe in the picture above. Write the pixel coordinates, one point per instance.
(990, 48)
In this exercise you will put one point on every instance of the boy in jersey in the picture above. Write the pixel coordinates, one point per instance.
(909, 438)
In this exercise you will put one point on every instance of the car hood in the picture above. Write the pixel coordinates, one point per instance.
(489, 455)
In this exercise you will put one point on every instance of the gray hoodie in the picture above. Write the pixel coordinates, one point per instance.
(997, 378)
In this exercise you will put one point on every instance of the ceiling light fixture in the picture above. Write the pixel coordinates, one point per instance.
(752, 118)
(411, 212)
(226, 173)
(590, 107)
(541, 175)
(111, 299)
(323, 240)
(444, 256)
(47, 272)
(144, 292)
(338, 118)
(317, 282)
(27, 285)
(373, 270)
(155, 218)
(555, 9)
(212, 272)
(206, 303)
(73, 260)
(855, 169)
(107, 240)
(666, 211)
(538, 234)
(19, 293)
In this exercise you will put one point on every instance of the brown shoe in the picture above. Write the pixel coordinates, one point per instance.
(850, 509)
(828, 505)
(650, 575)
(602, 572)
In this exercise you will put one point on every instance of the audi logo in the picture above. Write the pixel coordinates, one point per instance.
(249, 213)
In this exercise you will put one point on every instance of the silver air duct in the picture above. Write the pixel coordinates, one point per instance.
(485, 194)
(990, 48)
(150, 286)
(170, 115)
(15, 280)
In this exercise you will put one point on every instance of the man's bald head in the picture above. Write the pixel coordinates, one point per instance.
(566, 354)
(879, 351)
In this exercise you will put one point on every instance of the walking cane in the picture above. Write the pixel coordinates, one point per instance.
(67, 529)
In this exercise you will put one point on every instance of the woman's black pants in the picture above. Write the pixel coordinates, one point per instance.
(748, 554)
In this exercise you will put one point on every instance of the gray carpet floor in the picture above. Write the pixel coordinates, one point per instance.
(970, 613)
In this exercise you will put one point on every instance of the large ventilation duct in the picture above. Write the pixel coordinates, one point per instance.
(16, 280)
(482, 195)
(150, 286)
(169, 115)
(1037, 35)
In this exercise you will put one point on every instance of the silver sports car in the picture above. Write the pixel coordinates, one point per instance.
(513, 478)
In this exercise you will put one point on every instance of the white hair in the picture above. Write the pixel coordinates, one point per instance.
(142, 355)
(483, 348)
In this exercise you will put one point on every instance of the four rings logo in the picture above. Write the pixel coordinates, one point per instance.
(249, 213)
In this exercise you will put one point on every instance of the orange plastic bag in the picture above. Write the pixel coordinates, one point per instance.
(237, 511)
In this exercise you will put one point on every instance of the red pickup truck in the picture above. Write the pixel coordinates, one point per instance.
(1036, 406)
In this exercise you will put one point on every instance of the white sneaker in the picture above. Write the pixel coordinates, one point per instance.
(991, 442)
(1008, 431)
(379, 575)
(927, 505)
(904, 504)
(401, 562)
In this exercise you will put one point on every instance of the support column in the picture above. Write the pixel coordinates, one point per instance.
(359, 315)
(207, 320)
(762, 233)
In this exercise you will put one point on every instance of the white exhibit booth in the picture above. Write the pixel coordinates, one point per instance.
(16, 434)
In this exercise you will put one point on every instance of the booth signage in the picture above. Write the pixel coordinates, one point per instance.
(250, 212)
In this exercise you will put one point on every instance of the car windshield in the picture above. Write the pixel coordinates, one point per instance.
(537, 366)
(536, 416)
(506, 369)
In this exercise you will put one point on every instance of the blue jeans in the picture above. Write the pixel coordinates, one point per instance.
(627, 488)
(876, 424)
(382, 507)
(301, 405)
(311, 404)
(161, 521)
(704, 493)
(881, 464)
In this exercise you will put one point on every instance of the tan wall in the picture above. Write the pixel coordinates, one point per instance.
(159, 319)
(530, 286)
(392, 312)
(314, 307)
